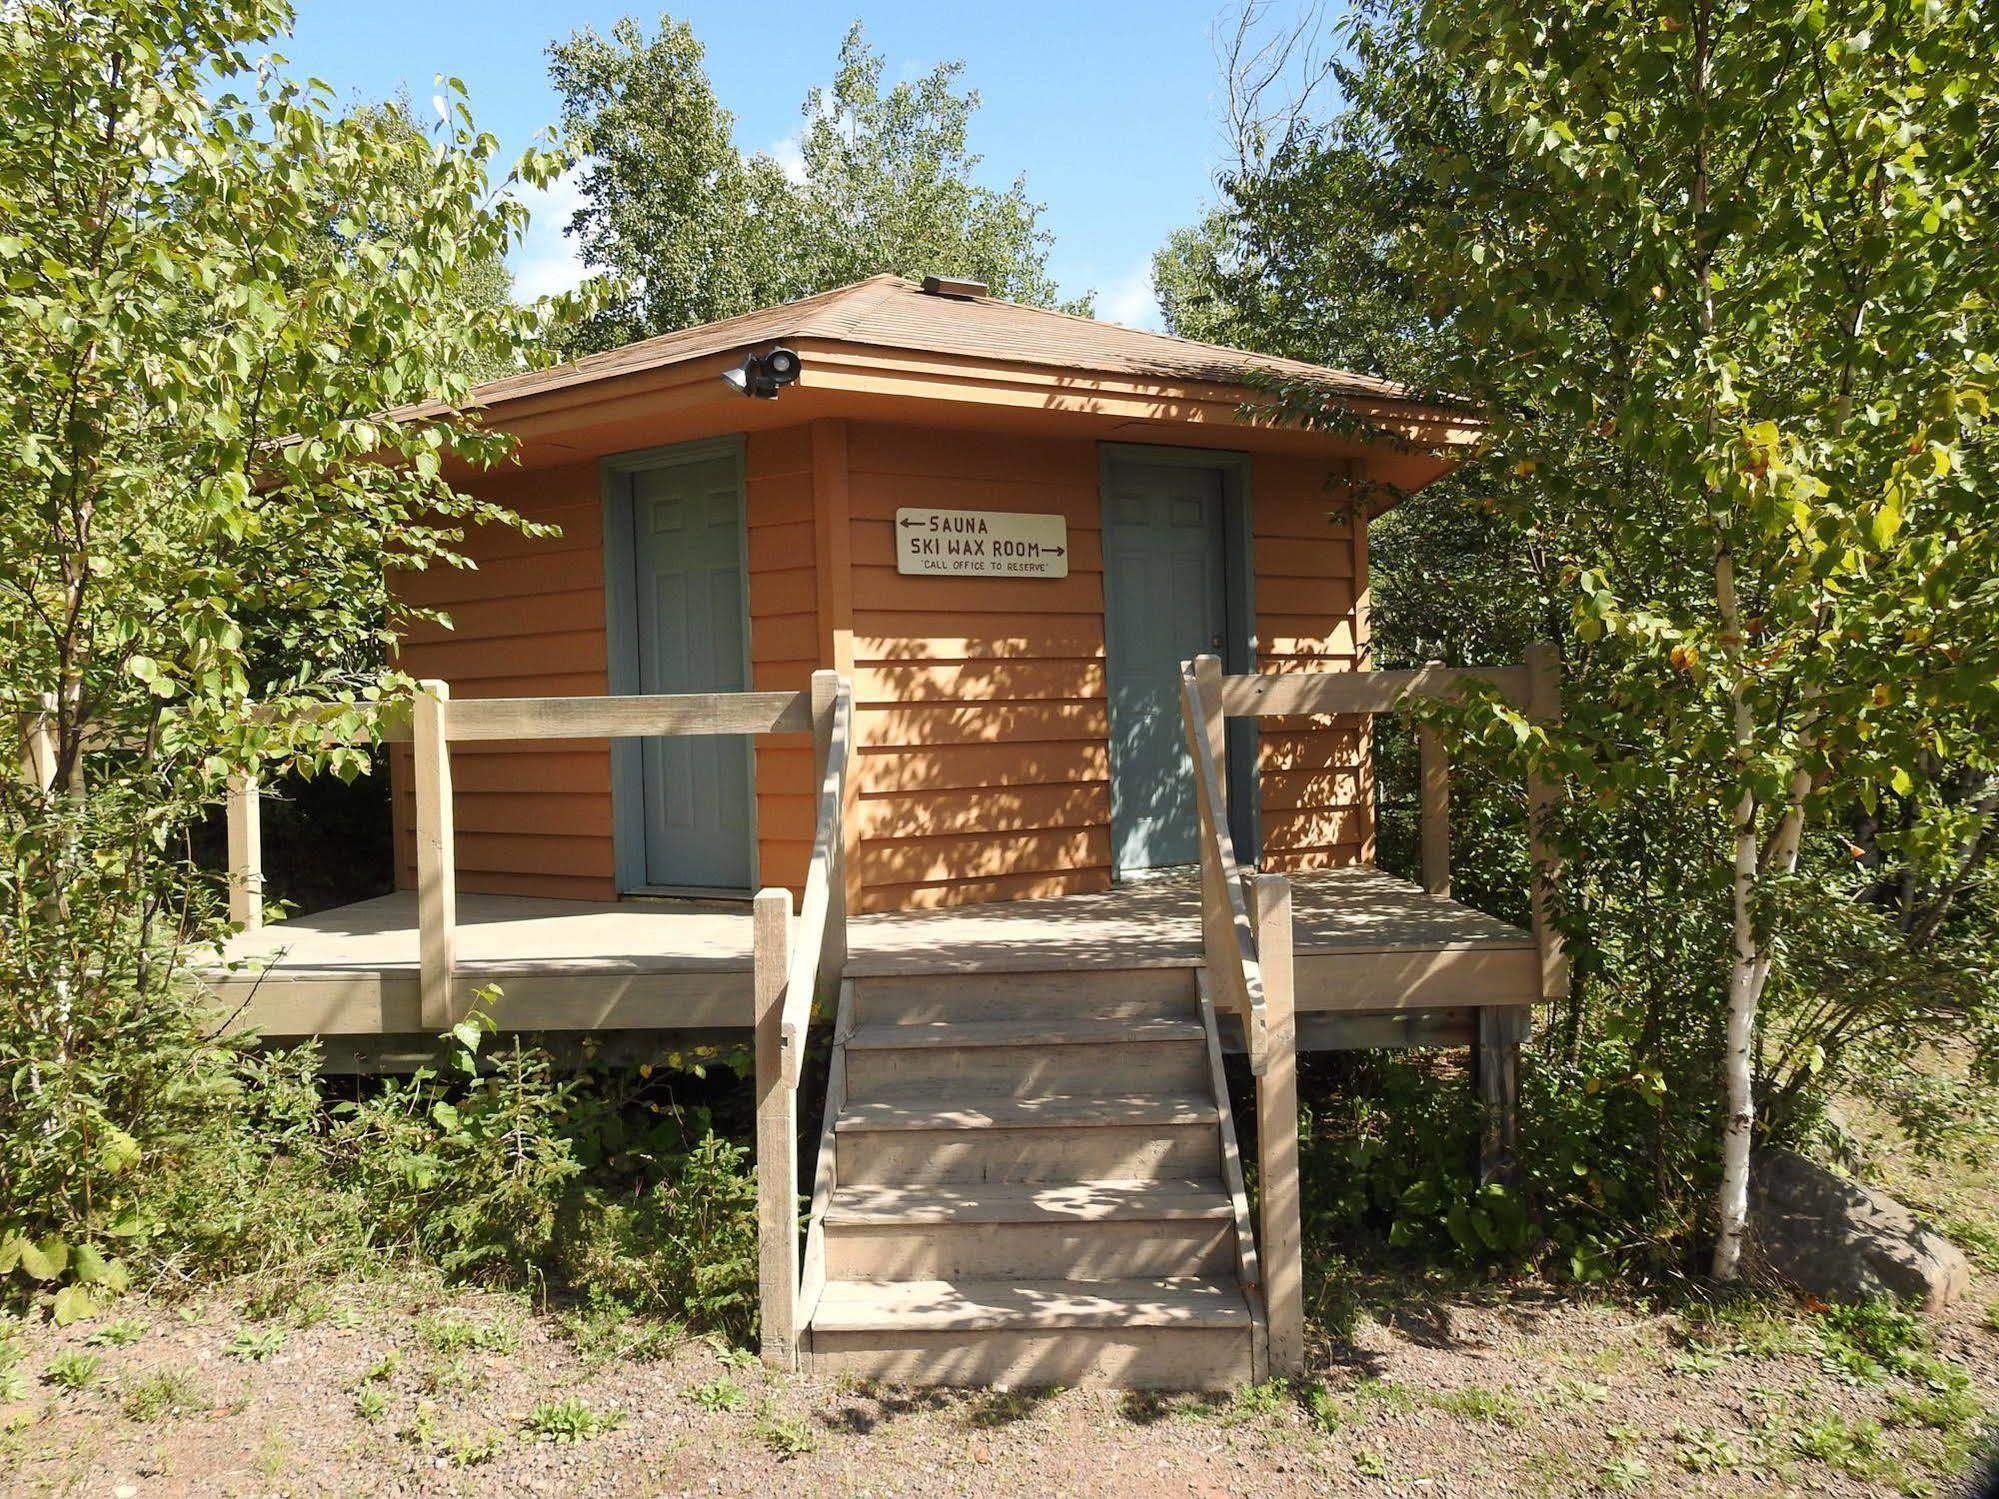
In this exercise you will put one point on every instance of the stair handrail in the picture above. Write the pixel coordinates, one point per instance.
(794, 967)
(819, 955)
(1228, 934)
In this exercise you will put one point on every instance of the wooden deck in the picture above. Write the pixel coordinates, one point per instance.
(1414, 963)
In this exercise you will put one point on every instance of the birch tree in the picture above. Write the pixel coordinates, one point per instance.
(1727, 298)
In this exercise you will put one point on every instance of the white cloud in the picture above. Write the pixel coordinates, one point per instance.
(789, 154)
(547, 260)
(1130, 300)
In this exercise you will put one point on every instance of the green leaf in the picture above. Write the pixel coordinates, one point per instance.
(89, 1266)
(46, 1260)
(73, 1304)
(120, 1152)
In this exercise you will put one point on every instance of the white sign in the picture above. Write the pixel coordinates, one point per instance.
(981, 544)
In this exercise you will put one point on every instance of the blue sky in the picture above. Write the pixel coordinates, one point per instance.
(1113, 110)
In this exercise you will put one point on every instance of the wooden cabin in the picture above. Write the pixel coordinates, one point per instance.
(1034, 672)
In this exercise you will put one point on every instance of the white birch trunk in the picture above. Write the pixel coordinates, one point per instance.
(1744, 987)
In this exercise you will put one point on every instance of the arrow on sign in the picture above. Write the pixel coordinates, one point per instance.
(907, 523)
(1056, 551)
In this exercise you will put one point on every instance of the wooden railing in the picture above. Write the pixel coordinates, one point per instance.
(1246, 938)
(791, 978)
(1533, 688)
(793, 969)
(1246, 951)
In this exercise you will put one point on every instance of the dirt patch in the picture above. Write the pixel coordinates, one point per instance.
(399, 1388)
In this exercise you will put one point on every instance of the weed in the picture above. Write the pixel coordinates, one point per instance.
(1623, 1473)
(370, 1404)
(1386, 1393)
(1579, 1392)
(13, 1386)
(116, 1334)
(732, 1356)
(1258, 1402)
(1697, 1361)
(1866, 1342)
(452, 1335)
(1702, 1449)
(1482, 1405)
(255, 1344)
(1852, 1447)
(70, 1370)
(1325, 1409)
(460, 1449)
(1992, 1315)
(383, 1367)
(451, 1376)
(787, 1436)
(299, 1303)
(1955, 1409)
(166, 1392)
(606, 1328)
(1370, 1464)
(569, 1421)
(719, 1394)
(343, 1319)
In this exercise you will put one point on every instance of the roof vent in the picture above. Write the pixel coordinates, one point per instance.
(946, 286)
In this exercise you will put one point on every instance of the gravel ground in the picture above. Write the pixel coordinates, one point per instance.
(400, 1388)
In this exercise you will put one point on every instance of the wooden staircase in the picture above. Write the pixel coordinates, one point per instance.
(1030, 1179)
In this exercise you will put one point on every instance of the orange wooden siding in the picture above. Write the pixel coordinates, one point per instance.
(982, 727)
(1315, 774)
(784, 639)
(984, 765)
(533, 818)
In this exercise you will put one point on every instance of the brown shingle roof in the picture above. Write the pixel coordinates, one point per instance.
(891, 312)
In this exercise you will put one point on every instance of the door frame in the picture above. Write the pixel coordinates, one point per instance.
(621, 655)
(1238, 610)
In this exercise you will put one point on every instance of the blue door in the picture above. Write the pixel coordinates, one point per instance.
(687, 525)
(1164, 602)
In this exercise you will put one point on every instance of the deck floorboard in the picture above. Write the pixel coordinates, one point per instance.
(1365, 940)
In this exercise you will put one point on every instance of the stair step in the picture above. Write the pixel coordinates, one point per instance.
(1026, 1058)
(1086, 1031)
(1027, 1202)
(1072, 1231)
(1060, 994)
(849, 1306)
(1049, 1112)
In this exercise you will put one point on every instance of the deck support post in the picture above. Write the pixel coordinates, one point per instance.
(1496, 1074)
(246, 853)
(1282, 1249)
(436, 869)
(777, 1134)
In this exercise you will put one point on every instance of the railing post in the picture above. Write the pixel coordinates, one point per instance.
(777, 1134)
(1277, 1130)
(1205, 725)
(246, 852)
(1544, 706)
(826, 688)
(436, 869)
(1434, 809)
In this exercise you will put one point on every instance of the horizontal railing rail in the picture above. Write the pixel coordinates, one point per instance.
(1533, 688)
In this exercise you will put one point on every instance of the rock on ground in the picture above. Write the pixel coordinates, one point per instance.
(1843, 1241)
